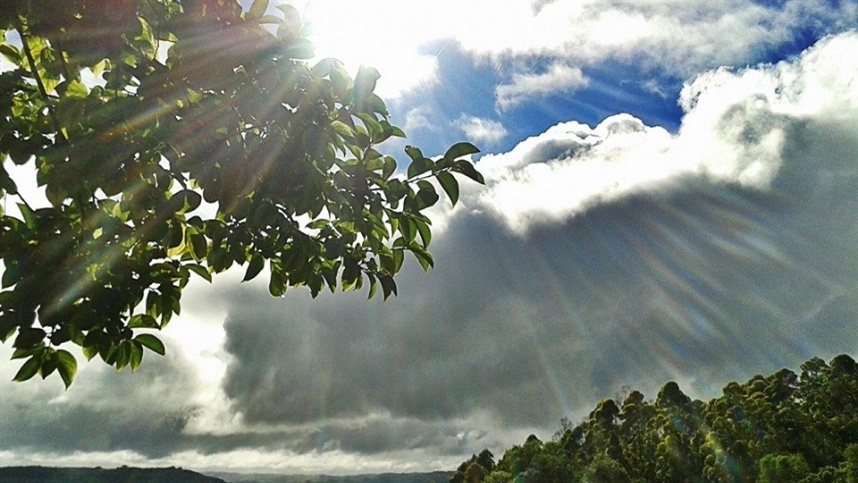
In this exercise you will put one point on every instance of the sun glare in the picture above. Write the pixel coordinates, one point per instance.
(381, 34)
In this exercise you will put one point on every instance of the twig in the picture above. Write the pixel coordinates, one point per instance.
(19, 26)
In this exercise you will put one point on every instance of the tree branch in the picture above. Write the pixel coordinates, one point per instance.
(19, 26)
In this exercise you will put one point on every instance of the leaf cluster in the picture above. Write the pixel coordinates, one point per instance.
(179, 138)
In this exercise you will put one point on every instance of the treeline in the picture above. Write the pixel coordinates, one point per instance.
(786, 427)
(124, 474)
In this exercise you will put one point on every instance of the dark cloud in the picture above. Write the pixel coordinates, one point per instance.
(105, 411)
(700, 278)
(697, 283)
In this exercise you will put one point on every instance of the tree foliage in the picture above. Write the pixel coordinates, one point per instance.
(177, 138)
(784, 427)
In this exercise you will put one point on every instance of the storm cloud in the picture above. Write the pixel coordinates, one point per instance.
(699, 266)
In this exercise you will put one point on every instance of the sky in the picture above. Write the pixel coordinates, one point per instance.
(671, 194)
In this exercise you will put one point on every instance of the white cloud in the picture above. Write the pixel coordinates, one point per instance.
(734, 131)
(403, 39)
(418, 118)
(481, 131)
(557, 79)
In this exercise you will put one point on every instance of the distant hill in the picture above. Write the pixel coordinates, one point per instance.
(124, 474)
(436, 477)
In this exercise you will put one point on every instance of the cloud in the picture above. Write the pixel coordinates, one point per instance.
(682, 38)
(736, 129)
(104, 411)
(679, 258)
(418, 118)
(557, 79)
(678, 38)
(479, 130)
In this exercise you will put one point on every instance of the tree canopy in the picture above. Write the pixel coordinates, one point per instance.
(177, 138)
(782, 427)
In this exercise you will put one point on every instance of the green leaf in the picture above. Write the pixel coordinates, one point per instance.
(388, 286)
(11, 274)
(29, 337)
(413, 153)
(152, 343)
(76, 89)
(426, 196)
(460, 149)
(423, 256)
(136, 355)
(365, 81)
(389, 167)
(373, 286)
(11, 53)
(142, 321)
(467, 169)
(66, 366)
(257, 9)
(199, 246)
(257, 262)
(22, 353)
(419, 166)
(372, 125)
(199, 270)
(189, 200)
(450, 185)
(342, 129)
(425, 232)
(49, 365)
(277, 282)
(396, 190)
(7, 183)
(408, 229)
(29, 216)
(122, 356)
(301, 49)
(29, 369)
(90, 344)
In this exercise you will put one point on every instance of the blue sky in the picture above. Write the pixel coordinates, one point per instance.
(671, 195)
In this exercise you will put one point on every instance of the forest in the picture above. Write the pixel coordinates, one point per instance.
(784, 427)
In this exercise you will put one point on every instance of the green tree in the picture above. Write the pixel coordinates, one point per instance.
(180, 137)
(475, 473)
(603, 469)
(486, 459)
(782, 467)
(498, 476)
(782, 427)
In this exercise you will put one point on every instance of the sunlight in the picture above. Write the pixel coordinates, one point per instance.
(380, 34)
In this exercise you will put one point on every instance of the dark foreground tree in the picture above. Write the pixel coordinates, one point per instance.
(180, 137)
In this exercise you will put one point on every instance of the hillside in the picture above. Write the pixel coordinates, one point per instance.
(436, 477)
(785, 427)
(124, 474)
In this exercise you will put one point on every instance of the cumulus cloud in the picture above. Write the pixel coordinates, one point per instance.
(481, 130)
(736, 128)
(559, 78)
